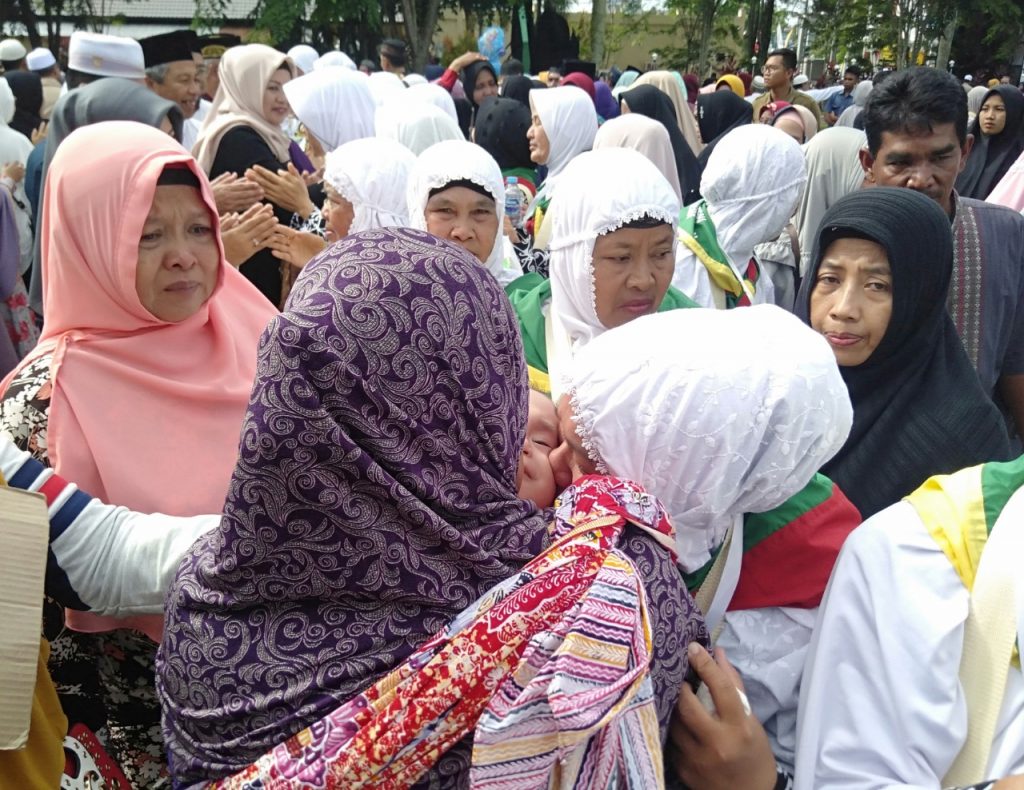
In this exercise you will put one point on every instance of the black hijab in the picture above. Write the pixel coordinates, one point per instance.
(993, 155)
(518, 88)
(918, 406)
(469, 77)
(648, 100)
(27, 87)
(464, 112)
(718, 114)
(501, 126)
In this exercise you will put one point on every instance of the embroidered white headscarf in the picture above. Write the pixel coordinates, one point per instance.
(752, 184)
(417, 125)
(373, 175)
(570, 122)
(334, 104)
(716, 412)
(458, 160)
(599, 192)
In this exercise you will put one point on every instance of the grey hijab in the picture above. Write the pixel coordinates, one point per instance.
(108, 99)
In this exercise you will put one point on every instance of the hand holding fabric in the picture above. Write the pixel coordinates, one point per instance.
(234, 194)
(725, 749)
(286, 188)
(245, 234)
(14, 171)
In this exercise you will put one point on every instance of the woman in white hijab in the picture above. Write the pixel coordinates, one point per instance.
(384, 85)
(366, 183)
(457, 193)
(645, 135)
(721, 415)
(751, 186)
(334, 104)
(332, 59)
(434, 94)
(612, 257)
(304, 56)
(564, 126)
(416, 124)
(833, 171)
(673, 86)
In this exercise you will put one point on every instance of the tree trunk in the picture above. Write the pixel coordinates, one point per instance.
(707, 25)
(946, 44)
(764, 38)
(420, 20)
(28, 18)
(598, 22)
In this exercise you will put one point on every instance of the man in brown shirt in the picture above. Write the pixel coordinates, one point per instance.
(778, 72)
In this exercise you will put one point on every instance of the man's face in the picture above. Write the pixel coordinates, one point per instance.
(776, 75)
(179, 86)
(925, 161)
(849, 81)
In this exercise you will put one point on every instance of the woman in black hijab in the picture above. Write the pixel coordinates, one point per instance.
(501, 126)
(479, 82)
(519, 88)
(718, 114)
(876, 290)
(648, 100)
(27, 88)
(998, 133)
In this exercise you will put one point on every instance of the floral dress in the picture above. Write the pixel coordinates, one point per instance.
(105, 681)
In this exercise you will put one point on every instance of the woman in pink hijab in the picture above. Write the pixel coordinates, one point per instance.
(138, 386)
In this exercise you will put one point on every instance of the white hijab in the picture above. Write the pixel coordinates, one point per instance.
(833, 171)
(384, 85)
(430, 93)
(304, 56)
(752, 184)
(716, 413)
(417, 127)
(458, 160)
(334, 58)
(570, 123)
(599, 192)
(645, 135)
(373, 175)
(334, 104)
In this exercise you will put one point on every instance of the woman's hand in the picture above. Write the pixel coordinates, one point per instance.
(722, 750)
(286, 188)
(233, 194)
(14, 171)
(295, 247)
(39, 133)
(464, 60)
(246, 234)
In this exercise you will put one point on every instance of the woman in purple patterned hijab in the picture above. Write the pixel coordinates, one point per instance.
(374, 498)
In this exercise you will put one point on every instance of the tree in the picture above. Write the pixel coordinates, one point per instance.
(598, 23)
(702, 26)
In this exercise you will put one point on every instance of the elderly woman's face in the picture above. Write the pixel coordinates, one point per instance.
(179, 260)
(851, 300)
(464, 217)
(633, 269)
(275, 105)
(338, 214)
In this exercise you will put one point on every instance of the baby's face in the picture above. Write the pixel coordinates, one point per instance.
(535, 479)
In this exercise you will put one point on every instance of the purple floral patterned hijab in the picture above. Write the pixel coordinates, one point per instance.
(374, 497)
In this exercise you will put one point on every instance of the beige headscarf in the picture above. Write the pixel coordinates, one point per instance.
(675, 89)
(244, 74)
(645, 135)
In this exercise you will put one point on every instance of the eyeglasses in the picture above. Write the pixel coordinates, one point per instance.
(771, 69)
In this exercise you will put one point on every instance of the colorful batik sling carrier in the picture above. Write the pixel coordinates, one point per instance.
(960, 511)
(550, 668)
(697, 232)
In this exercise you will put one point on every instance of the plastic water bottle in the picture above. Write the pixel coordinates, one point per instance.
(515, 201)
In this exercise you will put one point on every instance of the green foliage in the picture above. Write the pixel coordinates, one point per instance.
(706, 28)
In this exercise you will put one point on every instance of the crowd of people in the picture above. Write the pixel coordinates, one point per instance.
(484, 429)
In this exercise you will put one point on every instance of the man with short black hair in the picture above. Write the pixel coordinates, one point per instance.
(779, 69)
(837, 103)
(916, 125)
(171, 68)
(394, 56)
(511, 68)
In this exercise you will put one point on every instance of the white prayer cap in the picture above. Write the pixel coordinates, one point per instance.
(800, 79)
(304, 56)
(106, 56)
(40, 58)
(11, 49)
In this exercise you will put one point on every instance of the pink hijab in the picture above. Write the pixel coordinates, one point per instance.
(143, 413)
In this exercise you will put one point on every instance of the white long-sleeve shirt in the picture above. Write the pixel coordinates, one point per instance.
(881, 704)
